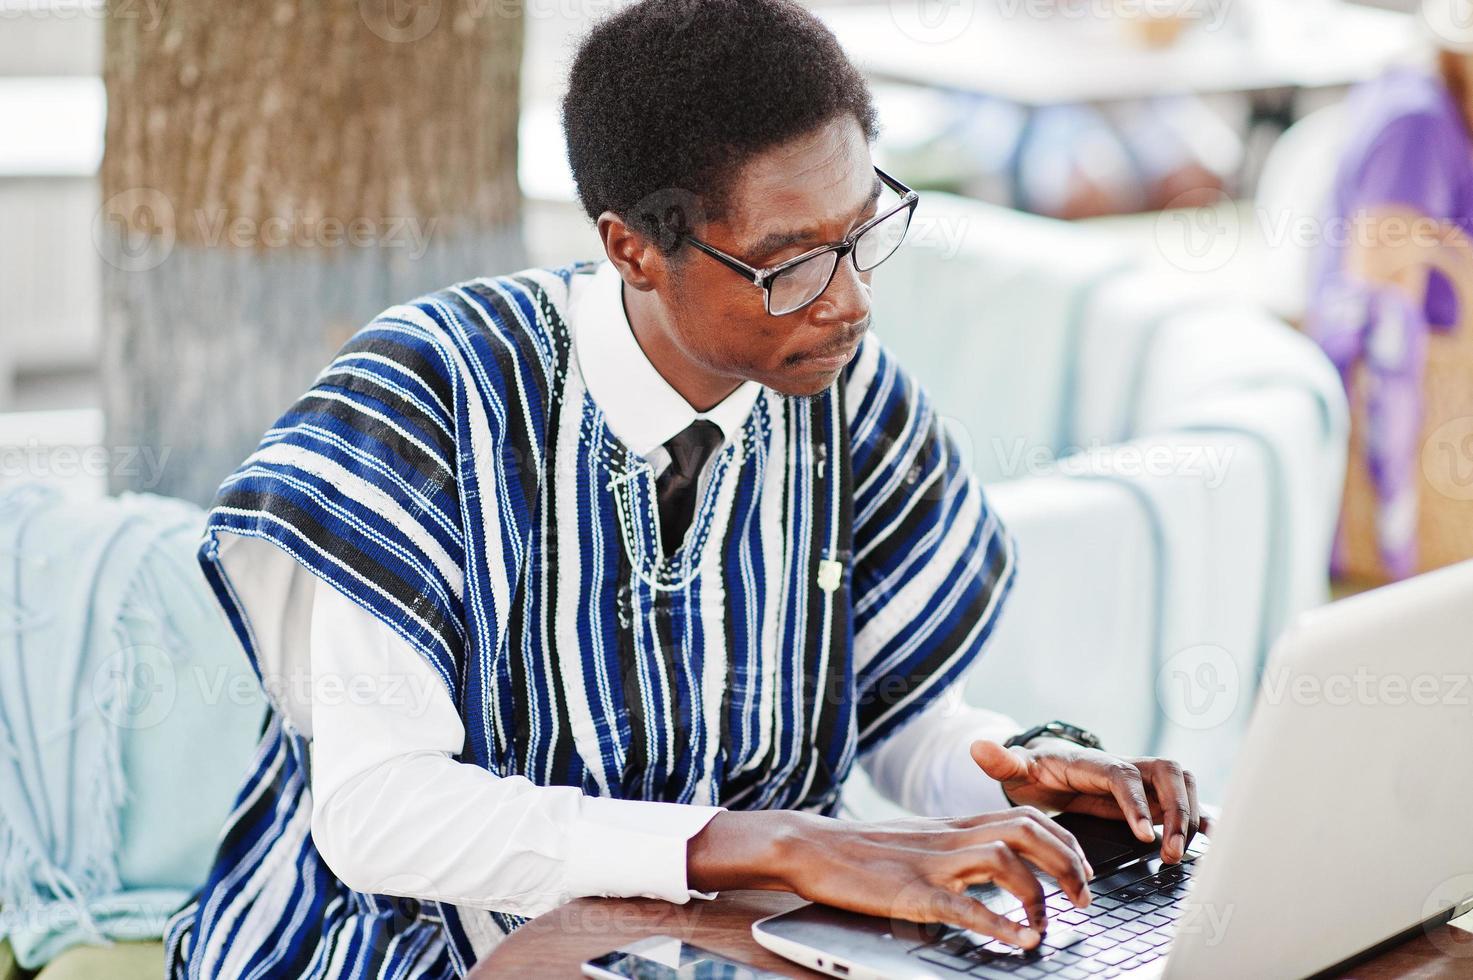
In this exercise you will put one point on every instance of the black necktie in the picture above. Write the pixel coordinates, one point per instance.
(676, 486)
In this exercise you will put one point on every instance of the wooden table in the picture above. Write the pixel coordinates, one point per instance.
(556, 944)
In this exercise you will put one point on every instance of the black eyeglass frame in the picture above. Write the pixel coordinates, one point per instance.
(763, 277)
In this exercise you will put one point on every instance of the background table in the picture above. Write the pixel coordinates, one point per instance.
(1019, 59)
(556, 944)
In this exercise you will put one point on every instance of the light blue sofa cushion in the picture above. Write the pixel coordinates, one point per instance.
(126, 710)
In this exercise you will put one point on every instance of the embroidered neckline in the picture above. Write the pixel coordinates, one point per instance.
(626, 472)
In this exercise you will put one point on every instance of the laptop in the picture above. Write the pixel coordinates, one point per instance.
(1345, 829)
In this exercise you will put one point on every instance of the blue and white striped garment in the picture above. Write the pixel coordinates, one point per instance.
(449, 472)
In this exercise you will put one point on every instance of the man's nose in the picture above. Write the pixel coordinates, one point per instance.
(847, 300)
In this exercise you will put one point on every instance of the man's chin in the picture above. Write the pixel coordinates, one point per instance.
(802, 381)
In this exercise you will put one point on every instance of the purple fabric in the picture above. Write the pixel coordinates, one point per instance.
(1410, 147)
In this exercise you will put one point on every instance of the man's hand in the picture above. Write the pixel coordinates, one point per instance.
(1059, 775)
(915, 869)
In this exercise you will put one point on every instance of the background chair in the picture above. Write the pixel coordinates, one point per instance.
(1293, 194)
(1169, 460)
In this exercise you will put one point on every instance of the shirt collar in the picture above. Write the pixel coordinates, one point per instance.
(640, 407)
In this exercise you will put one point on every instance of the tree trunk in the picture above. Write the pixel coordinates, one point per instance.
(274, 175)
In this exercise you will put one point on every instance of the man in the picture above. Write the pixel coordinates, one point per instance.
(602, 577)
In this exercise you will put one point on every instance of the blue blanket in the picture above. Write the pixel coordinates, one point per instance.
(126, 718)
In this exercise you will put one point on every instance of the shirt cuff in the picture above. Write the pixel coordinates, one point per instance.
(629, 848)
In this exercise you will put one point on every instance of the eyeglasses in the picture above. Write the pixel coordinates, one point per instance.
(789, 286)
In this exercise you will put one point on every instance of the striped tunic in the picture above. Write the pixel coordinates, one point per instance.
(450, 474)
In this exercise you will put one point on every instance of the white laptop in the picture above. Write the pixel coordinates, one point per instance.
(1348, 827)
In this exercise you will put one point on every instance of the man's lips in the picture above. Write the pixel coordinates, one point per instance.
(839, 355)
(834, 359)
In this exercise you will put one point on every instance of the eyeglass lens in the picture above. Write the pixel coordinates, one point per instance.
(801, 284)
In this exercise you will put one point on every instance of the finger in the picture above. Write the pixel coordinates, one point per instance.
(1002, 764)
(1168, 782)
(1130, 795)
(1028, 839)
(962, 910)
(996, 862)
(1058, 830)
(1194, 824)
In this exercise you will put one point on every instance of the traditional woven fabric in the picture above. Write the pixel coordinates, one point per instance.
(450, 473)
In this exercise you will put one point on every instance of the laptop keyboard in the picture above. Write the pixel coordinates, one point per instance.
(1130, 922)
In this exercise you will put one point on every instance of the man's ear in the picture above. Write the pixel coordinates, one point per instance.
(640, 263)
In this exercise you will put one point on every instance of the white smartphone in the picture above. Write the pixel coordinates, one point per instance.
(668, 958)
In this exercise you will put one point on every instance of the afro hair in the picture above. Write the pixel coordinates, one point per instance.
(667, 99)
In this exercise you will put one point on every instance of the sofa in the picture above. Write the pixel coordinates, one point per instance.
(1169, 457)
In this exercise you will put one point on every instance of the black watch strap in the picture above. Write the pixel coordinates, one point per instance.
(1057, 729)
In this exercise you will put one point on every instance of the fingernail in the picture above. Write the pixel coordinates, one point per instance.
(1031, 937)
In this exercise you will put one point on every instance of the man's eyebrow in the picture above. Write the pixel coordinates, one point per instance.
(782, 239)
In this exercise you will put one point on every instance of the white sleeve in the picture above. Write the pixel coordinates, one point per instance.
(393, 813)
(926, 766)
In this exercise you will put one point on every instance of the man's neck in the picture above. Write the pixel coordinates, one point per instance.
(701, 389)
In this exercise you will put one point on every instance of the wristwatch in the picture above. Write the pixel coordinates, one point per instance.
(1057, 729)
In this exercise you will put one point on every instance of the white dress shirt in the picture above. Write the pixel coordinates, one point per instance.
(394, 813)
